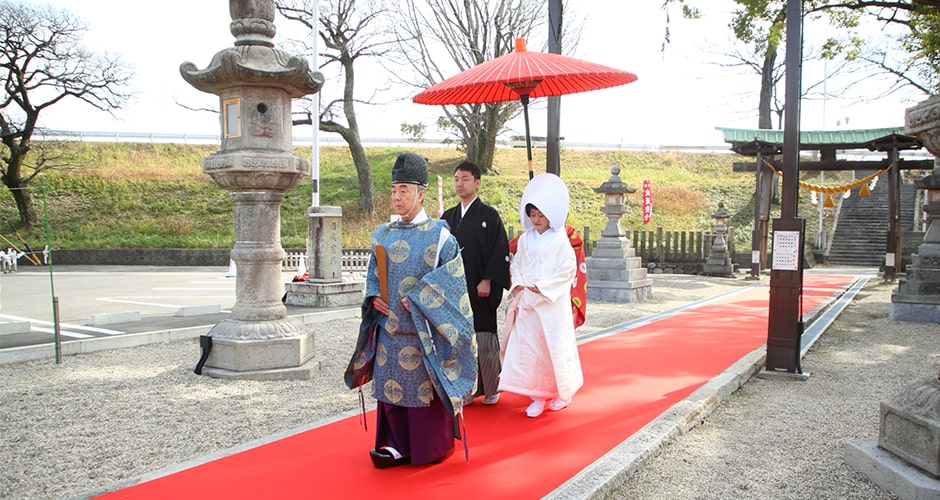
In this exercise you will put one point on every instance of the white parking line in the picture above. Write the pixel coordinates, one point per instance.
(64, 333)
(69, 326)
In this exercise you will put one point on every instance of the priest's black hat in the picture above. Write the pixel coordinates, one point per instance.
(410, 168)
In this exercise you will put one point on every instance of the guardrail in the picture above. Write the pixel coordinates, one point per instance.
(354, 260)
(164, 138)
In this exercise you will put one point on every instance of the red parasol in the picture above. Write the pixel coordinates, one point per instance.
(522, 74)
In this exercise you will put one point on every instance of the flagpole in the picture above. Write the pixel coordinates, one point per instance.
(315, 113)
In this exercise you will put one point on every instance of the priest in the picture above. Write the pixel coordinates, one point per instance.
(416, 340)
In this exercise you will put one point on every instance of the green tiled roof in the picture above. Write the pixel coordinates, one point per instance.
(810, 137)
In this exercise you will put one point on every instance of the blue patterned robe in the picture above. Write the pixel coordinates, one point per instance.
(431, 351)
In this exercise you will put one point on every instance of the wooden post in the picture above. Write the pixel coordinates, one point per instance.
(894, 218)
(786, 277)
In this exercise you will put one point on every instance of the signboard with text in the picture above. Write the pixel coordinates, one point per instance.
(786, 255)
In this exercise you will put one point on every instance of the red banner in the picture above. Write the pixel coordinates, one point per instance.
(647, 201)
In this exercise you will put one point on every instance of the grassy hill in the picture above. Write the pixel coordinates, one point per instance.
(141, 195)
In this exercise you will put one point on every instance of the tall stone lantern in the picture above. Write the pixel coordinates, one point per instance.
(614, 272)
(905, 458)
(255, 82)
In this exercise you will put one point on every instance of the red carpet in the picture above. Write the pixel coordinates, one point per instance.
(630, 379)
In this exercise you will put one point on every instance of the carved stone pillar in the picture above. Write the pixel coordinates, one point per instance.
(255, 82)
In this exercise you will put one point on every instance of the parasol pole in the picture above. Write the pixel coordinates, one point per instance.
(524, 98)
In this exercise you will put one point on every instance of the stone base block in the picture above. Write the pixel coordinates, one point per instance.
(890, 472)
(312, 294)
(910, 425)
(619, 292)
(259, 354)
(113, 318)
(198, 310)
(783, 376)
(909, 311)
(304, 372)
(720, 268)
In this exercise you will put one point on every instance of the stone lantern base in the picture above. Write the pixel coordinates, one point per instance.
(718, 266)
(905, 459)
(615, 274)
(918, 295)
(270, 350)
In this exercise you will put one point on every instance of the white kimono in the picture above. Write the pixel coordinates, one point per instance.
(540, 352)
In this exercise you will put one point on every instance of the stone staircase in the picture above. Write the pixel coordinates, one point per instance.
(862, 226)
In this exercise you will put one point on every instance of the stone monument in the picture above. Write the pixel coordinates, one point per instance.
(718, 262)
(325, 285)
(615, 273)
(255, 82)
(906, 457)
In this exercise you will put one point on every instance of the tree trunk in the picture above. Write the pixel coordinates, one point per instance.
(364, 173)
(765, 119)
(363, 169)
(18, 186)
(24, 204)
(481, 145)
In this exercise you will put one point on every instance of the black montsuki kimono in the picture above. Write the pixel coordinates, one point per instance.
(485, 250)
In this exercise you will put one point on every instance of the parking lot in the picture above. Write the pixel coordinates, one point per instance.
(97, 302)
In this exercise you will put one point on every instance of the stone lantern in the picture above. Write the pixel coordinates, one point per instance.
(905, 458)
(615, 273)
(718, 262)
(255, 82)
(918, 295)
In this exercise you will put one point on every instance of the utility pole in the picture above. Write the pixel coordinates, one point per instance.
(785, 326)
(552, 141)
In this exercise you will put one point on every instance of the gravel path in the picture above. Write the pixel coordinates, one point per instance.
(786, 439)
(102, 418)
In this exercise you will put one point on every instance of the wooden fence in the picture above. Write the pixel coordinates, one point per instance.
(653, 246)
(660, 245)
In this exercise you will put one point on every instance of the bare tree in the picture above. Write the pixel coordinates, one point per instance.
(838, 82)
(43, 63)
(905, 55)
(440, 38)
(348, 33)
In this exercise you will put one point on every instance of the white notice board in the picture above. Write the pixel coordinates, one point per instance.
(786, 251)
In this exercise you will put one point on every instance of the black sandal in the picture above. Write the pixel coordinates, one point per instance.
(386, 457)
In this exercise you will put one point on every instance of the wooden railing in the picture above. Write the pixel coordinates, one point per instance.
(660, 245)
